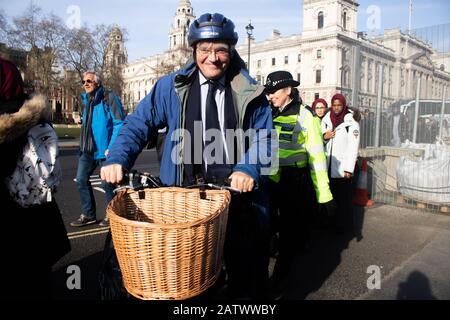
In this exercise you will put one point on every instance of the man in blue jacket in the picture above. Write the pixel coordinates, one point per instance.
(102, 118)
(212, 96)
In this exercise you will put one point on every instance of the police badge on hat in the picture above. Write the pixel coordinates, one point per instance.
(278, 80)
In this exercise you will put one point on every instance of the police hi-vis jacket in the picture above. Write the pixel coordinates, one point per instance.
(342, 150)
(301, 145)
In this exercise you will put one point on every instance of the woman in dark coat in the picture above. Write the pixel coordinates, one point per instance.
(34, 238)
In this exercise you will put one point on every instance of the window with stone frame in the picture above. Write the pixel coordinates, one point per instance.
(320, 20)
(319, 53)
(318, 76)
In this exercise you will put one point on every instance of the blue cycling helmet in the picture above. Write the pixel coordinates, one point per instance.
(212, 27)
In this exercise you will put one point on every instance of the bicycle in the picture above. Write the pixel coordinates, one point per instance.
(110, 275)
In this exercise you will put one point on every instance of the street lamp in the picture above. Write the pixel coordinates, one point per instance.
(249, 29)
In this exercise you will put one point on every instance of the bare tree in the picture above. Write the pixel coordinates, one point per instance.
(76, 58)
(100, 36)
(25, 32)
(42, 38)
(56, 56)
(173, 61)
(85, 49)
(112, 61)
(4, 28)
(51, 33)
(77, 50)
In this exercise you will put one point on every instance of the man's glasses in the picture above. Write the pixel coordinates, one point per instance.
(220, 52)
(87, 81)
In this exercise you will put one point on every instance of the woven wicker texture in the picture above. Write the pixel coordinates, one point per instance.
(169, 241)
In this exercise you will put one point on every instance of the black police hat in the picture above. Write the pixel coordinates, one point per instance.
(278, 80)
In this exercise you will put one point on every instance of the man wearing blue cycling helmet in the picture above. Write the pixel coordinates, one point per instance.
(211, 96)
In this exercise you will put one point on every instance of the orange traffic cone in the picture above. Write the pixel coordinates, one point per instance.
(361, 196)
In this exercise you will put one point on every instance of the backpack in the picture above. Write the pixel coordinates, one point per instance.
(38, 171)
(108, 97)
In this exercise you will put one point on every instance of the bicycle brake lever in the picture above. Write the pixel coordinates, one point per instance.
(233, 190)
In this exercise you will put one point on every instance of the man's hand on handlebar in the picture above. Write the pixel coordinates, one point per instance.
(241, 181)
(112, 173)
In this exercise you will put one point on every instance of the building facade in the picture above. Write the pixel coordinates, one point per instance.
(139, 76)
(332, 56)
(329, 56)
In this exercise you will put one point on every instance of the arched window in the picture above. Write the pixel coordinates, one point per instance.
(318, 76)
(178, 23)
(344, 20)
(320, 20)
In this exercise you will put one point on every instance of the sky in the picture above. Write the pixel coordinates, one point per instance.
(148, 22)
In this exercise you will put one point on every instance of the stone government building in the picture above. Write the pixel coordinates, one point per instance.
(330, 55)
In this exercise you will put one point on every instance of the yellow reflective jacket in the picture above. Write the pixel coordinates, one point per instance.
(301, 144)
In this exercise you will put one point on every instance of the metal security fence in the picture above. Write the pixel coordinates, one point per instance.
(408, 152)
(405, 130)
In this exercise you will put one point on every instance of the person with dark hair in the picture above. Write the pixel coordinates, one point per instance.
(301, 180)
(102, 118)
(31, 250)
(320, 107)
(200, 105)
(342, 152)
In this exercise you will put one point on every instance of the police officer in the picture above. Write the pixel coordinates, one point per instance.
(301, 179)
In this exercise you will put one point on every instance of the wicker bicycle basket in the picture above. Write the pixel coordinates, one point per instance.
(169, 241)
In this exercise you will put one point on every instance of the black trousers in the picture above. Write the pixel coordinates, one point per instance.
(32, 249)
(295, 197)
(246, 250)
(342, 190)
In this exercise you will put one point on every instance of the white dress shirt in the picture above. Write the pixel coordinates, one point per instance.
(220, 101)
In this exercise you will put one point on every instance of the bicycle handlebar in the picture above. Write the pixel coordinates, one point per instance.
(215, 186)
(138, 181)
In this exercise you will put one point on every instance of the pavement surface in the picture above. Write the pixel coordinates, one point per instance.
(409, 250)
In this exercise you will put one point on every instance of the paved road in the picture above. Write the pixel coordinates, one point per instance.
(409, 248)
